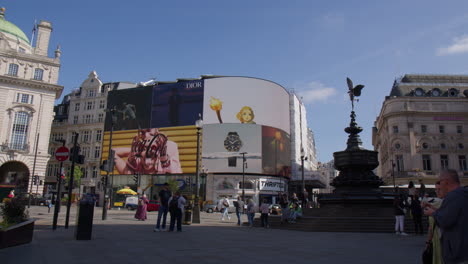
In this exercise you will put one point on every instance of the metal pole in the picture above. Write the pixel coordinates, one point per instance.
(72, 175)
(59, 194)
(104, 208)
(33, 171)
(303, 180)
(243, 175)
(196, 207)
(393, 175)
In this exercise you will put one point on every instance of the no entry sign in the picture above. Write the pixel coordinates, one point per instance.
(62, 153)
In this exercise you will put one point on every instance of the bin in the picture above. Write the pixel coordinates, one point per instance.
(188, 215)
(84, 219)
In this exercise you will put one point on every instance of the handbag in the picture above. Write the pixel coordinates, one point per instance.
(427, 254)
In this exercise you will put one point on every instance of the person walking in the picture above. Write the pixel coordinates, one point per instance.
(452, 218)
(225, 207)
(141, 209)
(305, 198)
(411, 189)
(400, 211)
(422, 188)
(164, 195)
(239, 204)
(264, 210)
(416, 212)
(176, 209)
(284, 203)
(251, 212)
(433, 232)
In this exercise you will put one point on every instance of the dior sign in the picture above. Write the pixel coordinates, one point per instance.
(271, 185)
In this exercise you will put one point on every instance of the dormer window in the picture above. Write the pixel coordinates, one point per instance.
(452, 92)
(419, 92)
(436, 92)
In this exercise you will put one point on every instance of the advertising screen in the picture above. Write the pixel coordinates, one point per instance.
(169, 150)
(132, 108)
(224, 143)
(177, 104)
(247, 101)
(276, 148)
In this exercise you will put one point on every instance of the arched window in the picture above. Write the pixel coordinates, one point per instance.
(19, 133)
(13, 69)
(38, 73)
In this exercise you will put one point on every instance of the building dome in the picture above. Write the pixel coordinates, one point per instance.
(11, 29)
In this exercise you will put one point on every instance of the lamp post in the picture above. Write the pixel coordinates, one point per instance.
(244, 162)
(203, 176)
(196, 207)
(303, 157)
(393, 175)
(110, 162)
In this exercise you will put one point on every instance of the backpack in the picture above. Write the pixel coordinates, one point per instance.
(174, 205)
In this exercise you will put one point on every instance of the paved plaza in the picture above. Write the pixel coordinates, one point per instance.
(123, 239)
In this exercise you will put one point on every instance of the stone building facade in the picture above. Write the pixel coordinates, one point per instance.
(28, 89)
(422, 129)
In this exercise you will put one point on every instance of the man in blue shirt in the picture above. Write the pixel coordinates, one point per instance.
(164, 195)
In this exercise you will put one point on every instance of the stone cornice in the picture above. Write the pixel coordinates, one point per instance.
(31, 58)
(32, 84)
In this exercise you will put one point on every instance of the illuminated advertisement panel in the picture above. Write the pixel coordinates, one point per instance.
(177, 104)
(169, 150)
(224, 143)
(276, 148)
(247, 101)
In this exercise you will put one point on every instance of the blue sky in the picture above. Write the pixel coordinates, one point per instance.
(309, 46)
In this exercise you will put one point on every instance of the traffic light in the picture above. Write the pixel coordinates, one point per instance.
(34, 180)
(74, 153)
(80, 159)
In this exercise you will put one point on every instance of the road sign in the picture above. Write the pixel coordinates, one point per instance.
(62, 153)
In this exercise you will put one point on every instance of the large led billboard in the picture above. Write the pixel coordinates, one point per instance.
(276, 152)
(247, 101)
(224, 143)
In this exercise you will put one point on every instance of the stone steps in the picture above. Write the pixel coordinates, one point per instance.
(343, 224)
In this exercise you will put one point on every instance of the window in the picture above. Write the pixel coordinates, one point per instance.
(102, 104)
(443, 146)
(85, 152)
(423, 129)
(19, 131)
(97, 152)
(85, 136)
(426, 162)
(453, 92)
(24, 98)
(425, 145)
(399, 163)
(77, 107)
(38, 74)
(13, 69)
(95, 172)
(88, 119)
(444, 162)
(395, 129)
(462, 162)
(91, 93)
(441, 129)
(397, 146)
(232, 161)
(84, 170)
(51, 151)
(90, 106)
(98, 135)
(100, 117)
(459, 129)
(75, 119)
(460, 146)
(61, 110)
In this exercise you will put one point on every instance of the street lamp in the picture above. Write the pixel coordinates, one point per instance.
(110, 162)
(303, 157)
(244, 163)
(196, 207)
(203, 175)
(393, 175)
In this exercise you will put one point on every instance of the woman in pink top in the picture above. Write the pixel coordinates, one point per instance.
(264, 209)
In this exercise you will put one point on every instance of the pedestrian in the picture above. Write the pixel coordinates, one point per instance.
(176, 209)
(239, 204)
(452, 218)
(141, 209)
(225, 207)
(416, 212)
(422, 188)
(11, 195)
(251, 212)
(284, 203)
(433, 231)
(411, 189)
(399, 207)
(164, 195)
(293, 211)
(264, 210)
(305, 198)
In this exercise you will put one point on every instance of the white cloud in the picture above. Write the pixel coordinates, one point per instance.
(460, 45)
(316, 91)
